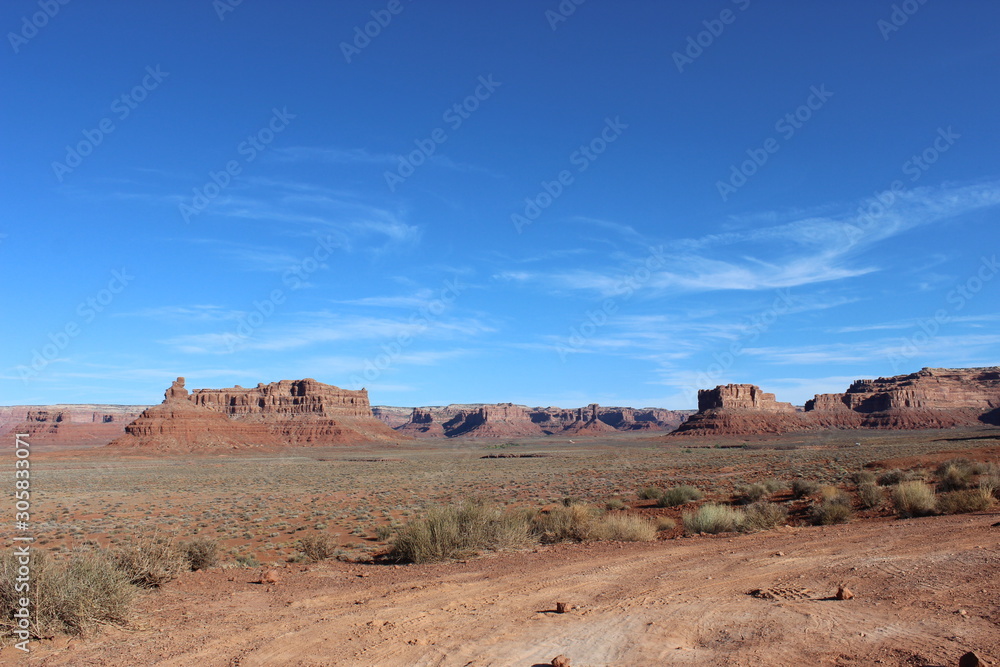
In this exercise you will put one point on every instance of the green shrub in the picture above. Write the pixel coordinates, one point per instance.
(318, 547)
(872, 495)
(913, 498)
(712, 518)
(200, 552)
(149, 561)
(678, 495)
(827, 513)
(455, 530)
(966, 500)
(70, 596)
(625, 528)
(763, 515)
(804, 487)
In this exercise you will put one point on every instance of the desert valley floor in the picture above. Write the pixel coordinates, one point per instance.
(925, 588)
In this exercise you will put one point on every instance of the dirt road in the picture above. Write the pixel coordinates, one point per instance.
(927, 590)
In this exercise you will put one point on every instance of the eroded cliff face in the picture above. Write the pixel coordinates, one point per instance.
(929, 398)
(68, 425)
(286, 413)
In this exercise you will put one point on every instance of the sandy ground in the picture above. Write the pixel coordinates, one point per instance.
(927, 590)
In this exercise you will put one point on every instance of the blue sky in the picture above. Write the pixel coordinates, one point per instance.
(484, 202)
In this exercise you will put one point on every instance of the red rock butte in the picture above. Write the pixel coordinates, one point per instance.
(929, 398)
(286, 413)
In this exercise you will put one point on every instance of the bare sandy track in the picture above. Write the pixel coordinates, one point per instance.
(682, 602)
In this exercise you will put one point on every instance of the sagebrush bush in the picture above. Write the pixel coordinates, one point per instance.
(965, 500)
(615, 504)
(650, 493)
(559, 524)
(665, 523)
(70, 596)
(763, 515)
(200, 552)
(455, 530)
(679, 495)
(751, 493)
(896, 476)
(712, 518)
(913, 498)
(625, 528)
(804, 487)
(318, 547)
(774, 485)
(831, 494)
(862, 477)
(872, 495)
(955, 475)
(149, 561)
(827, 513)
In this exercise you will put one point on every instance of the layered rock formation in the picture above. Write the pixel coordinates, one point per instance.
(506, 420)
(68, 425)
(286, 413)
(929, 398)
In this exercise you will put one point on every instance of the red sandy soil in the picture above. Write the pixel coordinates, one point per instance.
(926, 592)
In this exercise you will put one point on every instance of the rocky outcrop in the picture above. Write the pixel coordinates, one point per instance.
(68, 425)
(392, 416)
(502, 420)
(286, 413)
(644, 419)
(422, 425)
(588, 423)
(929, 398)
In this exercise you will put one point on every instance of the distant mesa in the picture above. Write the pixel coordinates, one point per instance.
(286, 413)
(80, 425)
(508, 420)
(930, 398)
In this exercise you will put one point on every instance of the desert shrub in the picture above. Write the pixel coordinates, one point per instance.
(774, 485)
(965, 500)
(384, 532)
(751, 493)
(650, 493)
(763, 515)
(70, 596)
(913, 498)
(833, 495)
(896, 476)
(955, 475)
(712, 518)
(678, 495)
(863, 477)
(149, 561)
(871, 494)
(625, 528)
(318, 547)
(804, 487)
(568, 501)
(565, 523)
(454, 530)
(200, 552)
(615, 504)
(665, 523)
(827, 513)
